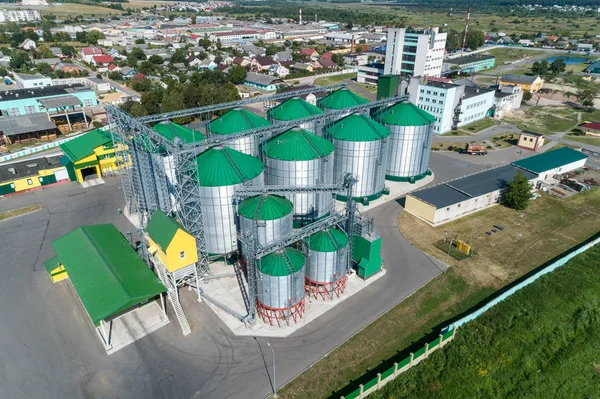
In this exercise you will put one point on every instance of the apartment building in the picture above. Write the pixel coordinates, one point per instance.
(415, 52)
(19, 16)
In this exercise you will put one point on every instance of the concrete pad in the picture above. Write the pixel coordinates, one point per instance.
(134, 325)
(227, 292)
(92, 182)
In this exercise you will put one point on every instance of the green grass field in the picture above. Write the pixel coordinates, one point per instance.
(478, 126)
(330, 80)
(542, 342)
(19, 212)
(584, 140)
(546, 120)
(547, 228)
(78, 9)
(504, 55)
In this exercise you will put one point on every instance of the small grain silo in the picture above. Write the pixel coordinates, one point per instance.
(220, 171)
(411, 131)
(266, 217)
(297, 108)
(280, 280)
(235, 121)
(327, 262)
(341, 99)
(361, 148)
(298, 157)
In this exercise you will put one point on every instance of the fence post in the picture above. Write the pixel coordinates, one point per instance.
(426, 350)
(395, 369)
(412, 357)
(362, 390)
(378, 380)
(441, 341)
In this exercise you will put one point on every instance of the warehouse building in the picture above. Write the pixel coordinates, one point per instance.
(90, 155)
(469, 63)
(31, 174)
(554, 162)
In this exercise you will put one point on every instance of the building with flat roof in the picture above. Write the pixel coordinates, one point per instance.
(553, 162)
(469, 63)
(370, 73)
(27, 81)
(415, 52)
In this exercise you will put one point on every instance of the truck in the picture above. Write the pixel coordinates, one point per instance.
(476, 149)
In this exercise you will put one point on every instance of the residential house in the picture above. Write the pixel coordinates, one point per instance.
(279, 70)
(262, 63)
(300, 66)
(102, 62)
(28, 44)
(222, 68)
(56, 51)
(193, 61)
(310, 53)
(585, 47)
(127, 72)
(244, 62)
(531, 84)
(324, 63)
(505, 40)
(114, 68)
(261, 81)
(283, 56)
(99, 85)
(252, 50)
(196, 50)
(207, 64)
(50, 61)
(88, 53)
(526, 42)
(67, 67)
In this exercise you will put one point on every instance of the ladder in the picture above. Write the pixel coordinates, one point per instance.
(240, 279)
(173, 296)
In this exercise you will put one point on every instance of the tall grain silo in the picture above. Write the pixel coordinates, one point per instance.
(298, 157)
(266, 217)
(280, 286)
(411, 131)
(341, 99)
(361, 148)
(297, 108)
(235, 121)
(327, 262)
(220, 171)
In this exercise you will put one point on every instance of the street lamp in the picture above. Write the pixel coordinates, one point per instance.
(274, 372)
(449, 246)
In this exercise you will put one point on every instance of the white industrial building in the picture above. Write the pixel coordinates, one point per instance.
(27, 81)
(19, 16)
(507, 99)
(345, 38)
(369, 74)
(415, 52)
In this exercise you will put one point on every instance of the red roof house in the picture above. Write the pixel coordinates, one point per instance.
(102, 60)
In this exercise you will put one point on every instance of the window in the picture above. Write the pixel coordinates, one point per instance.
(182, 255)
(29, 109)
(13, 112)
(88, 102)
(458, 206)
(29, 182)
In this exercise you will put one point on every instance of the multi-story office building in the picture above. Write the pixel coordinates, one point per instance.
(415, 52)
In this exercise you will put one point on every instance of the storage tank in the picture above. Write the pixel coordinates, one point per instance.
(220, 171)
(297, 108)
(235, 121)
(411, 131)
(361, 148)
(271, 214)
(280, 279)
(298, 157)
(342, 99)
(327, 261)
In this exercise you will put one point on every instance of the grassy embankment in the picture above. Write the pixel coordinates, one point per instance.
(18, 212)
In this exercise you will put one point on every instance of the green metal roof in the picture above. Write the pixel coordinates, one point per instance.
(294, 108)
(342, 98)
(358, 127)
(297, 145)
(170, 130)
(407, 114)
(265, 207)
(235, 121)
(223, 166)
(83, 146)
(274, 264)
(162, 229)
(51, 264)
(550, 160)
(328, 240)
(105, 270)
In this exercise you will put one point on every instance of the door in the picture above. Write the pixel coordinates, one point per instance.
(61, 174)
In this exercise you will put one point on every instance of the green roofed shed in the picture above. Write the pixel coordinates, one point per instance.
(328, 240)
(407, 114)
(274, 264)
(170, 130)
(265, 207)
(235, 121)
(51, 264)
(223, 166)
(162, 229)
(83, 146)
(358, 127)
(298, 145)
(294, 108)
(341, 99)
(550, 160)
(105, 270)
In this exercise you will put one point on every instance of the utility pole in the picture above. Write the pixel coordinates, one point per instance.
(449, 246)
(274, 372)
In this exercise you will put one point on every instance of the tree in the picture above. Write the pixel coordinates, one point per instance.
(540, 68)
(338, 59)
(44, 68)
(475, 39)
(453, 41)
(146, 67)
(193, 19)
(518, 193)
(178, 56)
(558, 66)
(526, 96)
(156, 59)
(140, 41)
(114, 75)
(67, 51)
(47, 35)
(586, 93)
(81, 37)
(237, 74)
(94, 36)
(134, 108)
(19, 59)
(3, 72)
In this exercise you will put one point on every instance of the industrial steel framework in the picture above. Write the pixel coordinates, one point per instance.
(141, 155)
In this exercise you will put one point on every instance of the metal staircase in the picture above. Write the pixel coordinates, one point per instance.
(173, 295)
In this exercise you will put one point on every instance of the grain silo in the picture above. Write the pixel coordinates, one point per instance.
(235, 121)
(266, 217)
(298, 157)
(411, 131)
(280, 279)
(327, 262)
(297, 108)
(342, 99)
(361, 149)
(220, 171)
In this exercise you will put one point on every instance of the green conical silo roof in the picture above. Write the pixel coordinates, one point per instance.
(170, 130)
(329, 240)
(235, 121)
(358, 127)
(223, 166)
(265, 207)
(274, 264)
(341, 99)
(294, 108)
(407, 114)
(297, 145)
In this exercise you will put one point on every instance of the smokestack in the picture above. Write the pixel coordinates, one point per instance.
(300, 20)
(352, 45)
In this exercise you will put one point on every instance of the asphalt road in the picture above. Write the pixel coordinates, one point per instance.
(49, 349)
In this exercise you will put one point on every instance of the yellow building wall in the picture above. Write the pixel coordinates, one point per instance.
(182, 241)
(420, 208)
(58, 274)
(526, 87)
(89, 158)
(48, 172)
(159, 253)
(22, 184)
